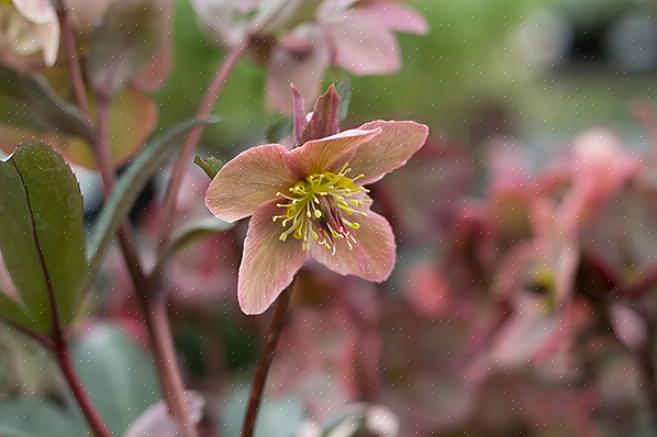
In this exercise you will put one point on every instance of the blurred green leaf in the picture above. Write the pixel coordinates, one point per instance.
(118, 375)
(130, 185)
(33, 417)
(188, 234)
(276, 417)
(344, 91)
(279, 129)
(125, 43)
(209, 165)
(42, 239)
(32, 96)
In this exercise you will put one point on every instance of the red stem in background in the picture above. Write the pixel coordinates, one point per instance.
(649, 374)
(154, 310)
(178, 172)
(59, 343)
(62, 355)
(70, 48)
(264, 362)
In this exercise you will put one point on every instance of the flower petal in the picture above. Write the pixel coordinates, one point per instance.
(248, 181)
(398, 141)
(371, 258)
(49, 35)
(323, 154)
(268, 264)
(37, 11)
(362, 45)
(395, 16)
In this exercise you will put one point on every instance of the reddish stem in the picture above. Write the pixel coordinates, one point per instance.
(63, 358)
(153, 310)
(155, 317)
(71, 50)
(264, 363)
(178, 172)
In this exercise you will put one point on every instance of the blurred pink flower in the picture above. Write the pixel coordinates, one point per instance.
(28, 27)
(538, 277)
(355, 35)
(314, 194)
(300, 39)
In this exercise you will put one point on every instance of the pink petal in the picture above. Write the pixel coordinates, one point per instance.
(323, 154)
(398, 141)
(395, 16)
(49, 34)
(362, 45)
(37, 11)
(268, 264)
(157, 422)
(371, 258)
(302, 68)
(248, 181)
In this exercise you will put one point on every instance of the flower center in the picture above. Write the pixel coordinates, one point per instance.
(318, 208)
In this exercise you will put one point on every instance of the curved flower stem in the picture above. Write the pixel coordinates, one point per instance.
(70, 48)
(153, 310)
(63, 358)
(178, 172)
(649, 373)
(265, 360)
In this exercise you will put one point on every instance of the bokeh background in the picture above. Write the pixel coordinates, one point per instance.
(505, 86)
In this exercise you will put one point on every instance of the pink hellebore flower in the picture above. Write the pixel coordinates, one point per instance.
(311, 201)
(27, 27)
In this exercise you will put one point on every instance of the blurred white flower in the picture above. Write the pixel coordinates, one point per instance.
(28, 27)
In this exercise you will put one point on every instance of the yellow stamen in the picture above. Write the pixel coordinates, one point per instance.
(317, 206)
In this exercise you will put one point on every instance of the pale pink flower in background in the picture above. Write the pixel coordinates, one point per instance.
(28, 27)
(300, 39)
(311, 201)
(355, 35)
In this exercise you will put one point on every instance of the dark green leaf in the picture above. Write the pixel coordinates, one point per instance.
(125, 43)
(209, 165)
(130, 185)
(118, 375)
(344, 91)
(42, 239)
(32, 96)
(188, 234)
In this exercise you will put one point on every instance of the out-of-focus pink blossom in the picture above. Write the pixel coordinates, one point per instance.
(300, 39)
(355, 35)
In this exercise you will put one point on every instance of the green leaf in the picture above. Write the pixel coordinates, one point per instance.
(209, 165)
(13, 311)
(42, 238)
(188, 234)
(36, 100)
(130, 185)
(34, 417)
(118, 375)
(276, 417)
(344, 91)
(125, 43)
